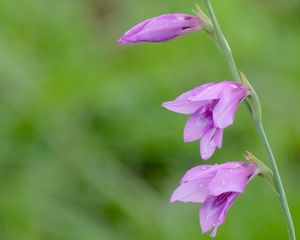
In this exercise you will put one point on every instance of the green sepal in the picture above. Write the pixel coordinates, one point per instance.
(264, 171)
(207, 24)
(252, 100)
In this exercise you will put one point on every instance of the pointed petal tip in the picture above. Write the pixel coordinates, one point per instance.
(204, 227)
(173, 106)
(123, 41)
(173, 198)
(164, 105)
(168, 105)
(180, 107)
(207, 144)
(205, 156)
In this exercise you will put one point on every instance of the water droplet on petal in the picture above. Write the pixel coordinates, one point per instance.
(203, 168)
(233, 86)
(201, 185)
(230, 171)
(223, 183)
(216, 164)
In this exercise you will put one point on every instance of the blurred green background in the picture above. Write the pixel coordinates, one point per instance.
(87, 152)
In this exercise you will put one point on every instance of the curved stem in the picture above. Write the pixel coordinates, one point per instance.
(277, 180)
(217, 34)
(221, 40)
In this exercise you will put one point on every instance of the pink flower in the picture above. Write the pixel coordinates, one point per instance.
(212, 107)
(216, 187)
(161, 28)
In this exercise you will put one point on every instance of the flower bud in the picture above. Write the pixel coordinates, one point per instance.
(162, 28)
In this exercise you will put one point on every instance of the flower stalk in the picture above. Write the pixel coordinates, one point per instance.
(254, 106)
(277, 180)
(222, 42)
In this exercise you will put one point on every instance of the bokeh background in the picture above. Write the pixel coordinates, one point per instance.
(86, 150)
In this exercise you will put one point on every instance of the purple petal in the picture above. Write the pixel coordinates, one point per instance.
(207, 144)
(231, 177)
(183, 105)
(126, 39)
(218, 137)
(213, 211)
(195, 191)
(193, 185)
(224, 111)
(213, 91)
(162, 28)
(195, 91)
(197, 125)
(199, 172)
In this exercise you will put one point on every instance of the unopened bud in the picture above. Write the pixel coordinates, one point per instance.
(162, 28)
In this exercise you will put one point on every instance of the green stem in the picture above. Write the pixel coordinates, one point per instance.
(223, 43)
(218, 35)
(277, 180)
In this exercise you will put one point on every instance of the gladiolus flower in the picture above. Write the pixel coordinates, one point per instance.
(162, 28)
(212, 107)
(216, 187)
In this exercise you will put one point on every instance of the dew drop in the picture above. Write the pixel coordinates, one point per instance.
(203, 168)
(233, 86)
(230, 171)
(201, 185)
(223, 183)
